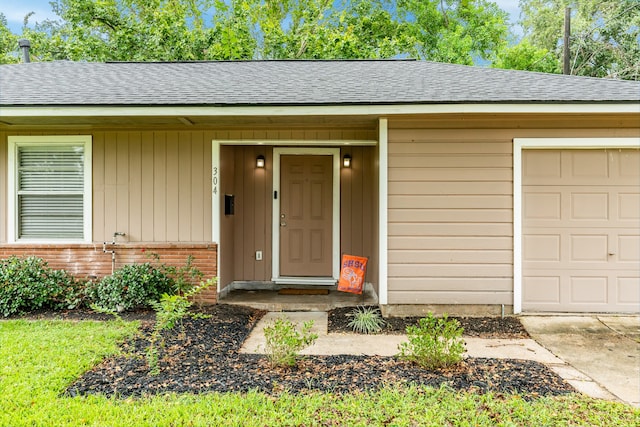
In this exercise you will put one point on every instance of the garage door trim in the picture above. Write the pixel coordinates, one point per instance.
(520, 144)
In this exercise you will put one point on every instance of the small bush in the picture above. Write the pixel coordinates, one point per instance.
(28, 284)
(130, 287)
(434, 343)
(284, 341)
(170, 310)
(367, 320)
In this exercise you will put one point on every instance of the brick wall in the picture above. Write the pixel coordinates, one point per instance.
(87, 261)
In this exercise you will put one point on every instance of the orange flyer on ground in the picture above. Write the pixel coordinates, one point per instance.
(352, 272)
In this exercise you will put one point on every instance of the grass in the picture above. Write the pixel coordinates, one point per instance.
(38, 359)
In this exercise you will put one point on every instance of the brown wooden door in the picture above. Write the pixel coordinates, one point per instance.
(306, 208)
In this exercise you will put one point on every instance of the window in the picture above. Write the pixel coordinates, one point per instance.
(50, 188)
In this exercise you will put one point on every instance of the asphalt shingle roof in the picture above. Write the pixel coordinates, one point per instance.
(293, 83)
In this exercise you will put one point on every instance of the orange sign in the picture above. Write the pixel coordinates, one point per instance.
(352, 272)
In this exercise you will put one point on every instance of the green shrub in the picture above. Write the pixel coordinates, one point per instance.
(284, 341)
(434, 343)
(170, 310)
(366, 320)
(28, 284)
(130, 287)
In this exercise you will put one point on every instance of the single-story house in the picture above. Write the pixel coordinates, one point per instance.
(467, 188)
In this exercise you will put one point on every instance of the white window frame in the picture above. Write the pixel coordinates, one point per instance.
(15, 142)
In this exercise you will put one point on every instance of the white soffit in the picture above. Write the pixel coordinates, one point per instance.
(322, 110)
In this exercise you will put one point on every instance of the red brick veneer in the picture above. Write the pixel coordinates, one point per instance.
(89, 261)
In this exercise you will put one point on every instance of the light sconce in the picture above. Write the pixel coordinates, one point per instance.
(260, 161)
(346, 161)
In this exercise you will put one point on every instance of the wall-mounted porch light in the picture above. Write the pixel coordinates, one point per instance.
(260, 161)
(346, 161)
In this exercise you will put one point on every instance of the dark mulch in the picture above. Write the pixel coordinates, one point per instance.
(483, 327)
(202, 356)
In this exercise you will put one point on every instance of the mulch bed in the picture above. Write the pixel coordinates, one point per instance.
(203, 355)
(482, 327)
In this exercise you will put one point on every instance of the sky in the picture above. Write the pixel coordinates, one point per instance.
(16, 10)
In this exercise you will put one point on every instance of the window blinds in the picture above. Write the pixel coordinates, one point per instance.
(50, 191)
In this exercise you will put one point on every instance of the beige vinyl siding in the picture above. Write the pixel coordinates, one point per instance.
(450, 217)
(450, 202)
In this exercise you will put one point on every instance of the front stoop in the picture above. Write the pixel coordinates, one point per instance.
(265, 297)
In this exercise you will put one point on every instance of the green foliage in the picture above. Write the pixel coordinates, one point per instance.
(36, 369)
(366, 320)
(604, 34)
(130, 287)
(284, 341)
(184, 276)
(524, 56)
(171, 30)
(453, 31)
(8, 43)
(28, 284)
(434, 343)
(170, 310)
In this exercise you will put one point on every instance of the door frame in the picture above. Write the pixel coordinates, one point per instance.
(520, 144)
(335, 235)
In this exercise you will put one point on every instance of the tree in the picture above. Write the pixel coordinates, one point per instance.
(8, 43)
(605, 34)
(459, 31)
(525, 56)
(456, 31)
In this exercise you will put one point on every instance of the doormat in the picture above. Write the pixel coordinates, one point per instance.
(290, 291)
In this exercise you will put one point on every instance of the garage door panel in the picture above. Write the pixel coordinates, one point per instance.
(629, 165)
(581, 230)
(590, 248)
(592, 205)
(629, 249)
(544, 247)
(572, 206)
(542, 165)
(628, 206)
(628, 290)
(591, 290)
(545, 206)
(541, 289)
(587, 164)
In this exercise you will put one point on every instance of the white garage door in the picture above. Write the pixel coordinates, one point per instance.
(581, 230)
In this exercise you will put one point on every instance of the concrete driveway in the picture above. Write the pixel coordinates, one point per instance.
(605, 348)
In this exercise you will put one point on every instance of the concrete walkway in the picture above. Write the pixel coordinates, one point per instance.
(604, 348)
(387, 345)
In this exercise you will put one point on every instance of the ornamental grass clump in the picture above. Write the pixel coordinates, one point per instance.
(434, 343)
(284, 341)
(366, 320)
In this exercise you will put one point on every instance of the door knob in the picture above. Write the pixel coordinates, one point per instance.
(283, 224)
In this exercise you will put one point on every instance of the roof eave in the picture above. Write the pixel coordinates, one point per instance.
(380, 110)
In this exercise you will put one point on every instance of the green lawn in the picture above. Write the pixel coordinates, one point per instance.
(38, 359)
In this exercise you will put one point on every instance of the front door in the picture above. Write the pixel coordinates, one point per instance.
(306, 210)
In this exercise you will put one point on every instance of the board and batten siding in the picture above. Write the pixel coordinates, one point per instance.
(450, 232)
(154, 186)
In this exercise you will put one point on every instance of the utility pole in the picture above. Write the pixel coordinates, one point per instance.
(566, 61)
